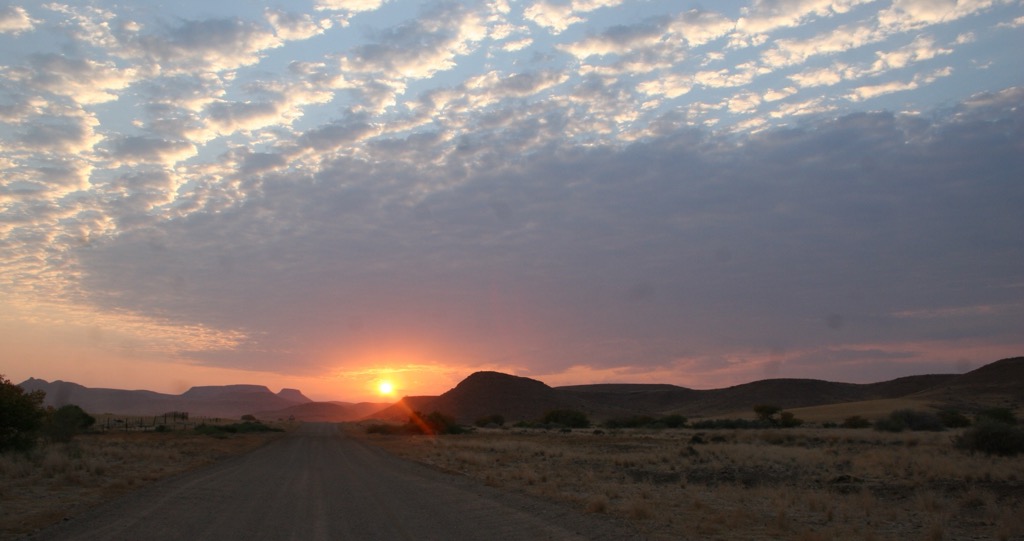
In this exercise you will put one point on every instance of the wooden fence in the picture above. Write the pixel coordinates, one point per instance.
(173, 420)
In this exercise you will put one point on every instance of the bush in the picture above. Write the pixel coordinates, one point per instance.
(673, 421)
(788, 420)
(418, 423)
(856, 421)
(567, 418)
(21, 415)
(439, 423)
(237, 428)
(953, 419)
(901, 420)
(494, 419)
(1001, 415)
(66, 422)
(766, 412)
(646, 421)
(635, 421)
(992, 438)
(383, 428)
(729, 424)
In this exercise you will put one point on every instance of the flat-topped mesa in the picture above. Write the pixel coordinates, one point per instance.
(294, 395)
(213, 392)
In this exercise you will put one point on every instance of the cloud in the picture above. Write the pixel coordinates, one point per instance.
(278, 104)
(523, 261)
(213, 45)
(295, 26)
(922, 48)
(419, 48)
(348, 5)
(866, 92)
(555, 17)
(913, 14)
(84, 81)
(791, 51)
(15, 20)
(660, 36)
(764, 16)
(467, 181)
(817, 77)
(73, 132)
(136, 150)
(746, 102)
(671, 86)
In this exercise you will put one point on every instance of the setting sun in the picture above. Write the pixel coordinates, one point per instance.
(385, 388)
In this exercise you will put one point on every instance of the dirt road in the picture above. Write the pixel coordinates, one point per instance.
(318, 484)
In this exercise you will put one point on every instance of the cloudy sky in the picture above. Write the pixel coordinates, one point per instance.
(322, 194)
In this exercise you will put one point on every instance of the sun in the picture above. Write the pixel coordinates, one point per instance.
(386, 388)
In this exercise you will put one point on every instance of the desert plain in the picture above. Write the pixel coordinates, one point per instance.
(816, 479)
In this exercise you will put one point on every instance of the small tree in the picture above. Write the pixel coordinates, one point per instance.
(66, 422)
(788, 420)
(567, 418)
(856, 421)
(766, 412)
(21, 415)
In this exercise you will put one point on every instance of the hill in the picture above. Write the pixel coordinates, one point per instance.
(487, 393)
(1000, 383)
(517, 398)
(229, 401)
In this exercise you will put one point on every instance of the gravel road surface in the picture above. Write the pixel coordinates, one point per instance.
(318, 484)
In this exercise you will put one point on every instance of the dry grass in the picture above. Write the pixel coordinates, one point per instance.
(55, 481)
(802, 484)
(871, 409)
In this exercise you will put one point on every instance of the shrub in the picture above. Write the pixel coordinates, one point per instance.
(646, 421)
(635, 421)
(788, 420)
(493, 419)
(383, 428)
(237, 428)
(66, 422)
(673, 421)
(856, 421)
(729, 423)
(431, 423)
(766, 412)
(992, 438)
(953, 419)
(567, 418)
(901, 420)
(439, 423)
(21, 415)
(1002, 415)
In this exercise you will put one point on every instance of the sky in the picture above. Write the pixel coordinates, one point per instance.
(327, 194)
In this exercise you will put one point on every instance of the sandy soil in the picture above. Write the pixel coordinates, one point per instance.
(318, 484)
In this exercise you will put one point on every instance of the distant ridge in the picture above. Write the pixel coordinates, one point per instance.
(518, 398)
(1000, 383)
(228, 401)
